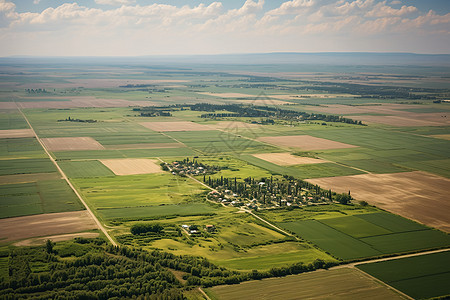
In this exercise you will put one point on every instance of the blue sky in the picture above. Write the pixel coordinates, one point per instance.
(146, 27)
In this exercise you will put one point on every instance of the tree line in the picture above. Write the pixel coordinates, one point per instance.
(118, 272)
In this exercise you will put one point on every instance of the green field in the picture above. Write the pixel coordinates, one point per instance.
(21, 148)
(155, 212)
(375, 234)
(26, 166)
(315, 285)
(88, 168)
(47, 196)
(240, 242)
(12, 119)
(128, 153)
(134, 191)
(217, 142)
(420, 277)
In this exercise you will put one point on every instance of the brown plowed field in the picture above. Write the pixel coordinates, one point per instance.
(16, 133)
(175, 126)
(419, 196)
(344, 283)
(71, 144)
(287, 159)
(304, 142)
(56, 238)
(132, 166)
(12, 229)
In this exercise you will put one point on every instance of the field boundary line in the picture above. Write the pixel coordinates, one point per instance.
(270, 224)
(289, 150)
(99, 225)
(385, 284)
(397, 257)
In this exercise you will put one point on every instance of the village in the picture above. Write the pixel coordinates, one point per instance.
(269, 193)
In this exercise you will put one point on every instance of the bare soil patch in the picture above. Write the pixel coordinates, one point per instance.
(145, 146)
(8, 105)
(132, 166)
(389, 114)
(23, 178)
(287, 159)
(19, 228)
(441, 136)
(175, 126)
(56, 238)
(419, 196)
(304, 142)
(16, 133)
(71, 144)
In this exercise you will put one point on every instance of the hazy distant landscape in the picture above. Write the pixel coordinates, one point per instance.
(151, 177)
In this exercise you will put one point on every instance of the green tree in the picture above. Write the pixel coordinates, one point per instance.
(49, 246)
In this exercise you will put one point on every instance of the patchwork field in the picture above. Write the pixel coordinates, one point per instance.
(304, 142)
(420, 277)
(132, 166)
(45, 225)
(16, 133)
(416, 195)
(356, 285)
(145, 146)
(287, 159)
(71, 144)
(367, 235)
(174, 126)
(42, 196)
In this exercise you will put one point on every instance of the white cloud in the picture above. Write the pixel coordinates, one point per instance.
(114, 2)
(296, 25)
(292, 7)
(36, 1)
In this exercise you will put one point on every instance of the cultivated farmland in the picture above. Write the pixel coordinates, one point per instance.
(16, 133)
(174, 126)
(71, 144)
(45, 225)
(304, 142)
(309, 286)
(367, 235)
(417, 195)
(420, 277)
(130, 166)
(287, 159)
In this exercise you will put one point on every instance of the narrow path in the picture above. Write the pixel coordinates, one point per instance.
(203, 293)
(385, 284)
(100, 226)
(270, 224)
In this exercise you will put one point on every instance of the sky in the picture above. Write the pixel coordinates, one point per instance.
(182, 27)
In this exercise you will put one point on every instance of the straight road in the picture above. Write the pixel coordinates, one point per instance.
(99, 225)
